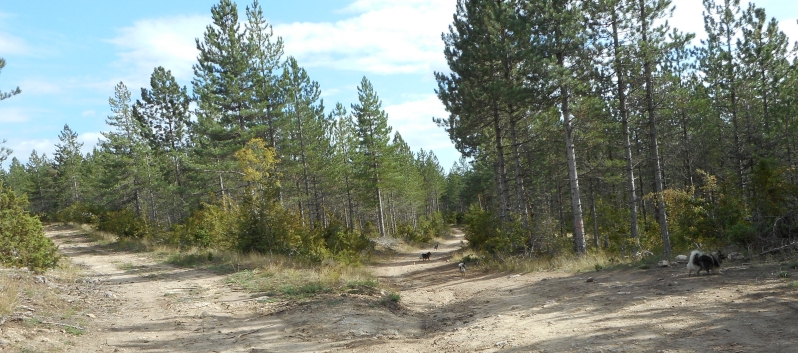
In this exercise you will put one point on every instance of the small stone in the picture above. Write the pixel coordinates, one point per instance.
(664, 263)
(681, 258)
(91, 316)
(40, 279)
(589, 279)
(500, 344)
(109, 295)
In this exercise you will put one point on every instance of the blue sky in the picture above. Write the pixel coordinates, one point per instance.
(66, 56)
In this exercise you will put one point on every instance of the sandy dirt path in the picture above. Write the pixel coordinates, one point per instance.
(140, 305)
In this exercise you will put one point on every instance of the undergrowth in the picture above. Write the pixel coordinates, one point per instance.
(596, 261)
(281, 278)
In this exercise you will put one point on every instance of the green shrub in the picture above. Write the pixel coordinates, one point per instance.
(209, 226)
(22, 240)
(79, 213)
(123, 223)
(484, 233)
(267, 227)
(345, 245)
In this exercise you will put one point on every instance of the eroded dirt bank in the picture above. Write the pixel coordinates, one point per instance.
(134, 304)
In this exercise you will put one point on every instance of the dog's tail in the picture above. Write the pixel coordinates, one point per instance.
(693, 263)
(693, 255)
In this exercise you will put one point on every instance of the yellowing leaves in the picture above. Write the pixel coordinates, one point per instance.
(257, 163)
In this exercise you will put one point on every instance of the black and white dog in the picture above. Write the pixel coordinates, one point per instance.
(699, 261)
(462, 267)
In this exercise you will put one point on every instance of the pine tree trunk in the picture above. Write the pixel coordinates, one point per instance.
(627, 145)
(686, 146)
(733, 91)
(349, 203)
(594, 215)
(381, 219)
(305, 177)
(522, 206)
(655, 159)
(573, 177)
(501, 168)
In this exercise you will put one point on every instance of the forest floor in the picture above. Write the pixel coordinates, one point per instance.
(129, 302)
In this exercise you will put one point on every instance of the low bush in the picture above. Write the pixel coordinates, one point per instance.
(22, 240)
(123, 223)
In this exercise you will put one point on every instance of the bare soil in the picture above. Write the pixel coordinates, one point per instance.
(132, 303)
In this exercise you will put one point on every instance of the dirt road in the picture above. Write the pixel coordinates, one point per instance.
(138, 305)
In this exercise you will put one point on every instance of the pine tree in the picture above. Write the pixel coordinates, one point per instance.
(265, 58)
(652, 43)
(42, 173)
(17, 178)
(484, 92)
(719, 61)
(223, 91)
(373, 136)
(763, 55)
(616, 14)
(561, 37)
(163, 115)
(344, 144)
(68, 163)
(124, 157)
(304, 113)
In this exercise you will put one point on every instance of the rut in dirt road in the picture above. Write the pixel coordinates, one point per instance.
(142, 305)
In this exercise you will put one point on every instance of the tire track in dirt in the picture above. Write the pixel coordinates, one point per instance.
(146, 306)
(151, 307)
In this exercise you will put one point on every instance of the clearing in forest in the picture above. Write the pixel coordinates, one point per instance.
(128, 302)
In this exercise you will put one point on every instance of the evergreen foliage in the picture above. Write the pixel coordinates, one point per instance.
(22, 240)
(666, 144)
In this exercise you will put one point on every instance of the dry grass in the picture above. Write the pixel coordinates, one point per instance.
(95, 235)
(565, 262)
(274, 274)
(282, 278)
(9, 295)
(65, 272)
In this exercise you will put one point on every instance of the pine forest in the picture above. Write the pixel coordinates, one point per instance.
(584, 127)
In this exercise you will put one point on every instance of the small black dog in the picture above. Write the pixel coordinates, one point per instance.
(426, 255)
(704, 262)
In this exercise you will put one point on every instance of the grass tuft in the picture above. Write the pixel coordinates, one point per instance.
(282, 277)
(564, 262)
(9, 295)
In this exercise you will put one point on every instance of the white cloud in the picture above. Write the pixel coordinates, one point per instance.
(13, 115)
(167, 42)
(385, 37)
(790, 28)
(89, 140)
(688, 17)
(413, 120)
(13, 45)
(36, 87)
(23, 149)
